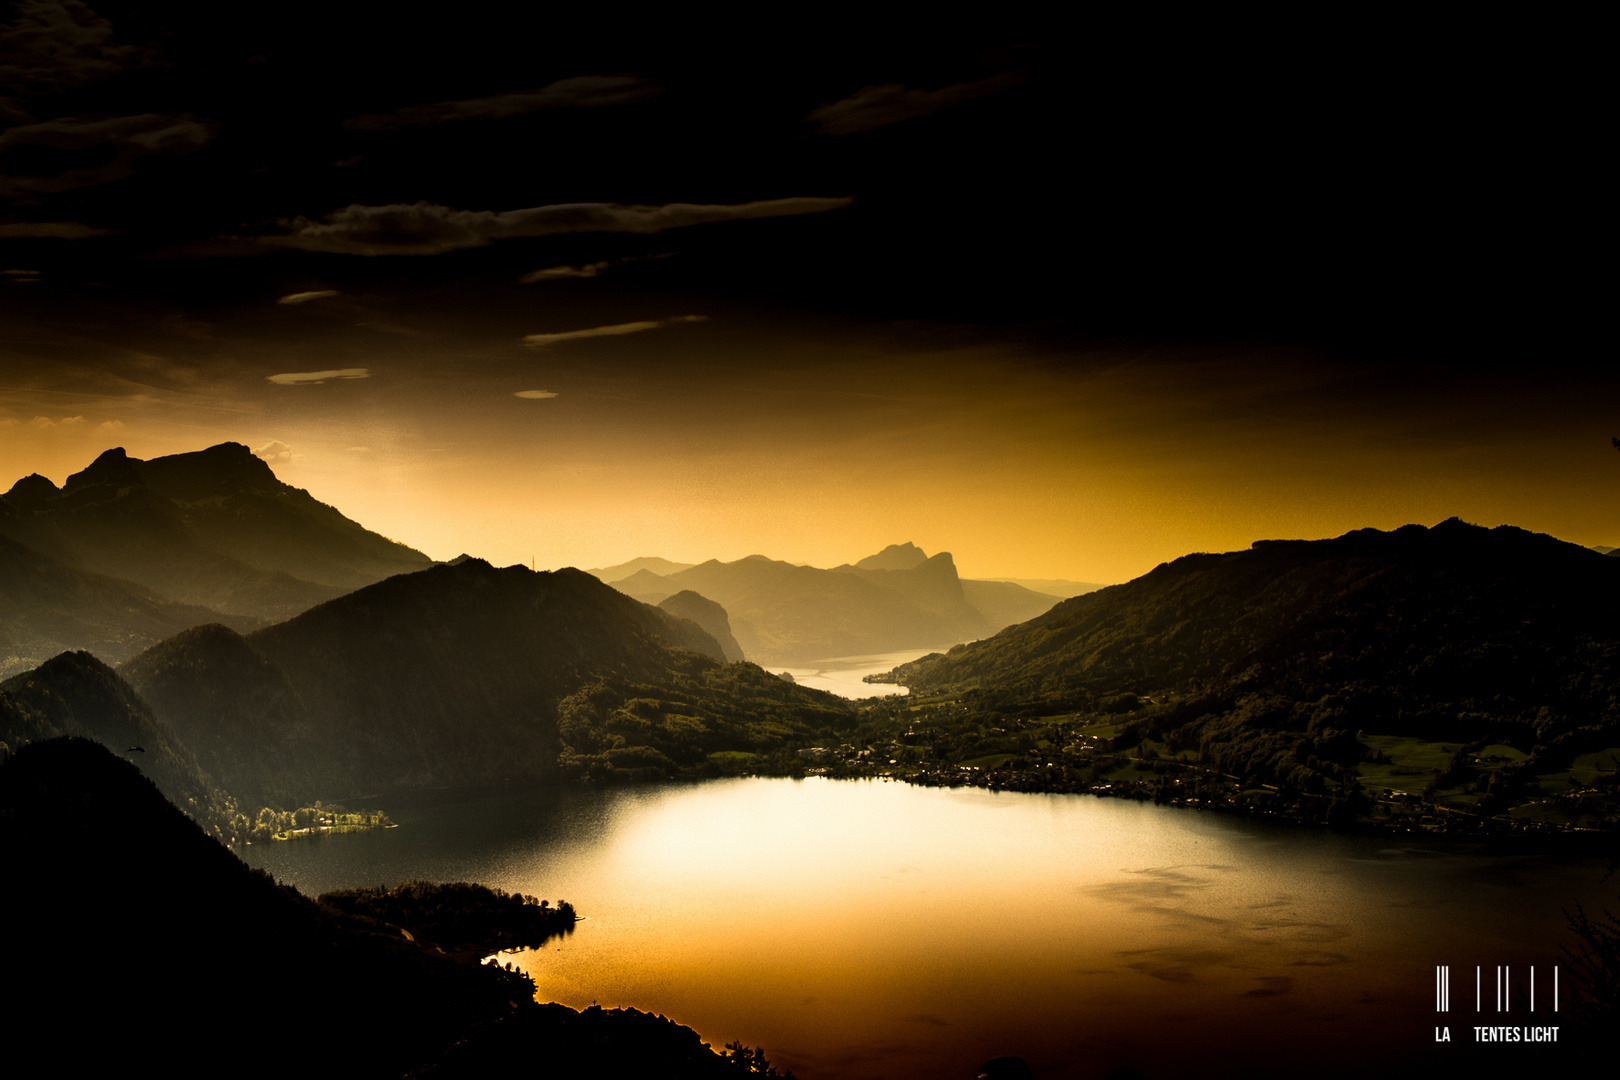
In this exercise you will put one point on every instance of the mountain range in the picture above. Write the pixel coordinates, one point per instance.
(1367, 604)
(782, 613)
(128, 552)
(456, 675)
(1270, 660)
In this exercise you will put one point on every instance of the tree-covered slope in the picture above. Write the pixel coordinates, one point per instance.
(1454, 633)
(449, 676)
(1452, 612)
(240, 716)
(75, 694)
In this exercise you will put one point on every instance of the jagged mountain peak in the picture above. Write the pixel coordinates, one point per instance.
(896, 557)
(212, 527)
(219, 470)
(222, 469)
(110, 466)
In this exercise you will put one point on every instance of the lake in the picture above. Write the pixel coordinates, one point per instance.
(870, 929)
(842, 675)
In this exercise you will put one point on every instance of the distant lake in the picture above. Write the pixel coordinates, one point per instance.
(867, 930)
(842, 675)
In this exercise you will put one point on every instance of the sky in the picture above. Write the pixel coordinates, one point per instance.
(1066, 297)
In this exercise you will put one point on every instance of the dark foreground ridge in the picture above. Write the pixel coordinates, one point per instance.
(134, 935)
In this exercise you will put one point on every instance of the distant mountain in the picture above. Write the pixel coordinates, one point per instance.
(904, 556)
(460, 674)
(48, 607)
(651, 564)
(900, 598)
(1454, 632)
(784, 614)
(1004, 603)
(213, 528)
(1061, 588)
(646, 586)
(707, 614)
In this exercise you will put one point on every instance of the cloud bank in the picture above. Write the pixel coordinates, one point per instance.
(581, 92)
(541, 341)
(53, 47)
(534, 394)
(108, 148)
(879, 106)
(51, 230)
(315, 378)
(306, 297)
(429, 229)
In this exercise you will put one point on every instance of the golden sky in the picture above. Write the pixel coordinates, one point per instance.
(985, 289)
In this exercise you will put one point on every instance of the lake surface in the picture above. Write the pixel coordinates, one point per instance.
(870, 929)
(842, 675)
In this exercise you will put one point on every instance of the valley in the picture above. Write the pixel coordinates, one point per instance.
(1349, 686)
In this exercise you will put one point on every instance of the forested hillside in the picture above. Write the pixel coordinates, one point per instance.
(1268, 662)
(464, 674)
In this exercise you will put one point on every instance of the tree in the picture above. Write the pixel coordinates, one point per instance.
(1596, 964)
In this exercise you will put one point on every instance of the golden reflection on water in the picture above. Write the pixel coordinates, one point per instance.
(871, 929)
(874, 930)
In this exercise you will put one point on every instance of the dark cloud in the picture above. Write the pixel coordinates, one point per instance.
(77, 152)
(53, 47)
(879, 106)
(560, 273)
(51, 230)
(306, 297)
(585, 91)
(428, 229)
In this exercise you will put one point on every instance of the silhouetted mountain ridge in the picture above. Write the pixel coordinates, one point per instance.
(1415, 627)
(52, 607)
(213, 528)
(173, 899)
(456, 675)
(901, 598)
(708, 615)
